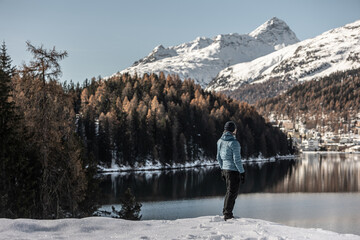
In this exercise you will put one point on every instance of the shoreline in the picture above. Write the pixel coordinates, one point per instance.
(330, 152)
(150, 166)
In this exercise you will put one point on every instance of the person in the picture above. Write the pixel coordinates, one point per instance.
(232, 169)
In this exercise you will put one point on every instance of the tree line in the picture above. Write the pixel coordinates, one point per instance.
(53, 135)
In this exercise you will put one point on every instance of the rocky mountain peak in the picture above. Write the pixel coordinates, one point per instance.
(275, 32)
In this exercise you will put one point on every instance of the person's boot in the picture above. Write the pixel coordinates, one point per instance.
(228, 216)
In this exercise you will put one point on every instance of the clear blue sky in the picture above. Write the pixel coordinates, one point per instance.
(106, 36)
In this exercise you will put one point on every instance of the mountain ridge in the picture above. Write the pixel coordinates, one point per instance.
(203, 58)
(334, 50)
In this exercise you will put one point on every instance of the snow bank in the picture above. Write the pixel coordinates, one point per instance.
(210, 227)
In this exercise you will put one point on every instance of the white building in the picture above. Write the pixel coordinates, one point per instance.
(310, 145)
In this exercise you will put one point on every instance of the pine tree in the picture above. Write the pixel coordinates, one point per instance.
(105, 152)
(7, 113)
(7, 105)
(49, 117)
(18, 171)
(5, 62)
(45, 65)
(130, 208)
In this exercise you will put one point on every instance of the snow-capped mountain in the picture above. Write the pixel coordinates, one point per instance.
(334, 50)
(203, 58)
(276, 33)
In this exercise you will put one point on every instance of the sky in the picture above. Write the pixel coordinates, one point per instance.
(106, 36)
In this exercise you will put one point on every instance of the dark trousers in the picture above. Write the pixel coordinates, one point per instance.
(232, 179)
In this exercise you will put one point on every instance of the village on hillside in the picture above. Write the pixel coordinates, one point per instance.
(320, 134)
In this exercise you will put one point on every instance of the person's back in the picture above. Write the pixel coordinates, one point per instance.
(229, 153)
(229, 158)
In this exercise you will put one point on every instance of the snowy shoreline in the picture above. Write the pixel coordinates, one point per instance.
(330, 152)
(207, 227)
(150, 166)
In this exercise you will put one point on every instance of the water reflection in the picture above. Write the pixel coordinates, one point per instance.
(163, 185)
(323, 173)
(310, 173)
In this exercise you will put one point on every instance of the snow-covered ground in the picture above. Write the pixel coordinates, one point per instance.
(209, 227)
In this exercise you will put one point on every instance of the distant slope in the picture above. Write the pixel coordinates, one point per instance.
(203, 58)
(332, 51)
(336, 94)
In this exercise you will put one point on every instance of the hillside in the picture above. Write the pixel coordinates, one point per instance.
(333, 51)
(128, 119)
(203, 58)
(335, 96)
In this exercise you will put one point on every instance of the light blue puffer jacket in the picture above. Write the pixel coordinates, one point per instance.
(228, 153)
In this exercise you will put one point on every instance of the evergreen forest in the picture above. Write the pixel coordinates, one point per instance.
(128, 120)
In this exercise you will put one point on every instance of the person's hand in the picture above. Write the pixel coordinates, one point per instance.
(242, 178)
(223, 175)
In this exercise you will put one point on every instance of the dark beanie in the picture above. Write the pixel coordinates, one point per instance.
(230, 126)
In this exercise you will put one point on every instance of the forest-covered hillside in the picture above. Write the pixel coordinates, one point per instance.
(128, 119)
(335, 96)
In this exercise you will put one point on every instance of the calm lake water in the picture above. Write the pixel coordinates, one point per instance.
(314, 191)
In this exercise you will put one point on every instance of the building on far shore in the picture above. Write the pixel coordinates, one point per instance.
(310, 145)
(315, 135)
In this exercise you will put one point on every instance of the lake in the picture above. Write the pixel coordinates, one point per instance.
(317, 190)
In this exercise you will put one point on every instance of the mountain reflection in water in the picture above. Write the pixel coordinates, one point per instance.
(311, 172)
